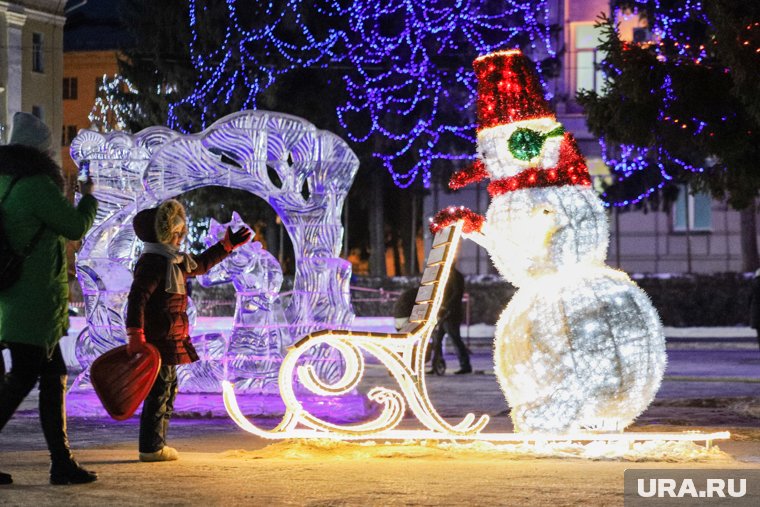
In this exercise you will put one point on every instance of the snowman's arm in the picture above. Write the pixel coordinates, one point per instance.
(447, 216)
(481, 237)
(475, 226)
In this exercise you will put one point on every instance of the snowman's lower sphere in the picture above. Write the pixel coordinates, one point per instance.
(579, 350)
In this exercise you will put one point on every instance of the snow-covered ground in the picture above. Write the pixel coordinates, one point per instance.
(709, 389)
(222, 465)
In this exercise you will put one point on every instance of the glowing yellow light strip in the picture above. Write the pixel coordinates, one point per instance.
(233, 409)
(403, 354)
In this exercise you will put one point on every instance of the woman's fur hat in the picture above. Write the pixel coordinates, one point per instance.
(169, 217)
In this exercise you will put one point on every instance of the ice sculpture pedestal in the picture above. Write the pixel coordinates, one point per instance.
(349, 409)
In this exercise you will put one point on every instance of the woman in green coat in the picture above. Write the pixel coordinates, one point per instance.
(34, 311)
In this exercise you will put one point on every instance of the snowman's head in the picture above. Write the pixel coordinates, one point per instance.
(543, 213)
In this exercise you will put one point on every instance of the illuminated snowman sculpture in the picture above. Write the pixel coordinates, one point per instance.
(579, 346)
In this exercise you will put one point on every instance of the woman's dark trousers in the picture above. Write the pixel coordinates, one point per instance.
(157, 410)
(452, 329)
(29, 364)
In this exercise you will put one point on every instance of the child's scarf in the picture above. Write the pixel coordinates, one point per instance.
(177, 261)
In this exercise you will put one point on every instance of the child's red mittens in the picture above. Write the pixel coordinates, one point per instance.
(135, 340)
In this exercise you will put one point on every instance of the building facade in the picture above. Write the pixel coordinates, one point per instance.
(32, 54)
(93, 36)
(83, 73)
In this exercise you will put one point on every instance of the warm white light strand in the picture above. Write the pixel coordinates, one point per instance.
(403, 355)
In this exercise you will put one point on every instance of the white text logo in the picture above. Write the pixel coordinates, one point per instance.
(715, 488)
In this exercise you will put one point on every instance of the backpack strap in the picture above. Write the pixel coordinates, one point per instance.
(10, 187)
(37, 235)
(33, 242)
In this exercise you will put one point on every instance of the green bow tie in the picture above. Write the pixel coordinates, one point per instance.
(525, 144)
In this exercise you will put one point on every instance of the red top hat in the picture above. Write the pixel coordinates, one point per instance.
(508, 89)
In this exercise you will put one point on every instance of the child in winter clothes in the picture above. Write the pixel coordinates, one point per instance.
(157, 311)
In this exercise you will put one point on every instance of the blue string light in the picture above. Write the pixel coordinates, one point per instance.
(395, 53)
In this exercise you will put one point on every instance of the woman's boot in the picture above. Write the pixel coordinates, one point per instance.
(68, 471)
(63, 468)
(5, 478)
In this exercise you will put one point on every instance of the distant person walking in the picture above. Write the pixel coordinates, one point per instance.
(403, 307)
(450, 319)
(34, 311)
(754, 304)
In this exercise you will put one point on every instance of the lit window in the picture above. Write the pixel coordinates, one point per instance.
(697, 206)
(70, 88)
(588, 75)
(37, 59)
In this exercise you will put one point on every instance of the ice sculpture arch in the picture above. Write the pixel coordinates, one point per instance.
(136, 171)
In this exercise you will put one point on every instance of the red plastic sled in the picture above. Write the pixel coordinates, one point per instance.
(122, 381)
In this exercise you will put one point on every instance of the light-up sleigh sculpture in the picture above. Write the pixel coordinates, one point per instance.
(403, 354)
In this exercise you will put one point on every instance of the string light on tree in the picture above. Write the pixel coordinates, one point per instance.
(400, 59)
(675, 43)
(110, 112)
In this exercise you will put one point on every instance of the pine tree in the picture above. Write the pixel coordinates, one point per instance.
(689, 100)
